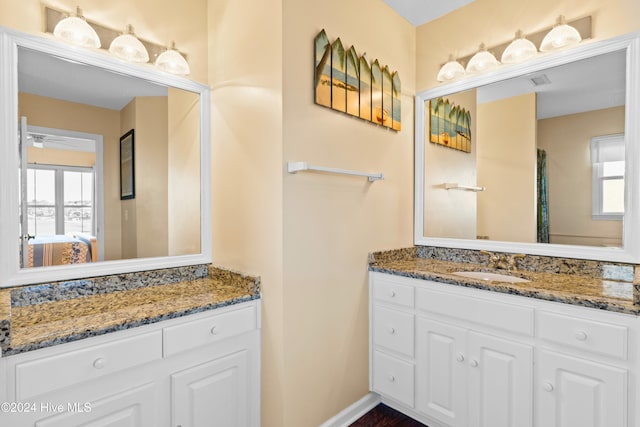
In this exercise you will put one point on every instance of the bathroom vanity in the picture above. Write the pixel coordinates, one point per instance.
(544, 330)
(148, 333)
(178, 354)
(556, 350)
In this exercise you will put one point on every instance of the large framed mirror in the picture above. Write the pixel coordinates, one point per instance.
(79, 129)
(538, 158)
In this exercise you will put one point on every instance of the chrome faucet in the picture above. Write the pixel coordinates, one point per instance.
(503, 262)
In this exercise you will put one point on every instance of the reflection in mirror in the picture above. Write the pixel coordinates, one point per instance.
(554, 163)
(72, 116)
(544, 145)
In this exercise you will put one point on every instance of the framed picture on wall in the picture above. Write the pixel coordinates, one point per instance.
(127, 169)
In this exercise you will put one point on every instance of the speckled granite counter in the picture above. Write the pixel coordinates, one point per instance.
(606, 286)
(43, 315)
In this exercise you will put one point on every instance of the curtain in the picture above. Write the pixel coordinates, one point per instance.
(543, 198)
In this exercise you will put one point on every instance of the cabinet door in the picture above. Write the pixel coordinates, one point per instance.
(212, 394)
(577, 392)
(440, 371)
(500, 382)
(133, 407)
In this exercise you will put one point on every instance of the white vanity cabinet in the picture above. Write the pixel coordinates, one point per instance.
(197, 370)
(467, 378)
(456, 356)
(584, 371)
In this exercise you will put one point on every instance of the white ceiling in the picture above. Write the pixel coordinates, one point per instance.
(419, 12)
(47, 75)
(590, 84)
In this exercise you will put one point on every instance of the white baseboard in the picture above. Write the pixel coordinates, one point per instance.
(350, 414)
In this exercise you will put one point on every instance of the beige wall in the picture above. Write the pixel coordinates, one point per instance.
(331, 222)
(128, 213)
(53, 156)
(245, 72)
(53, 113)
(451, 213)
(506, 135)
(183, 172)
(307, 235)
(567, 141)
(159, 21)
(461, 32)
(144, 218)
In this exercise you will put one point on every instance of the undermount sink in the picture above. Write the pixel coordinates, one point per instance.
(490, 277)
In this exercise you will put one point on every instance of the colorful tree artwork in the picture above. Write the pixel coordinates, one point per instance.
(351, 84)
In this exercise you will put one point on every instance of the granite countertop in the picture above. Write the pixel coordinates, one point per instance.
(606, 286)
(45, 315)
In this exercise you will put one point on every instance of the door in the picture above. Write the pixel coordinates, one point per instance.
(500, 382)
(24, 236)
(212, 394)
(574, 392)
(441, 371)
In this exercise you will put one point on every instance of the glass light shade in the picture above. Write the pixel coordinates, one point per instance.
(451, 70)
(128, 47)
(562, 35)
(172, 62)
(77, 31)
(519, 50)
(482, 61)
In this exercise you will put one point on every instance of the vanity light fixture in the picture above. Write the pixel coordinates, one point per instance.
(482, 61)
(76, 30)
(519, 50)
(562, 35)
(127, 46)
(173, 62)
(451, 70)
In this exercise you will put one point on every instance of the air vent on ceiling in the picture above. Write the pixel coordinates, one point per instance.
(540, 80)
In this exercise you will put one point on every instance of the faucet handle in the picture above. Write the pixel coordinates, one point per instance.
(493, 258)
(513, 264)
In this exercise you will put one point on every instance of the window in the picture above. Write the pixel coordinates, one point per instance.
(607, 164)
(59, 200)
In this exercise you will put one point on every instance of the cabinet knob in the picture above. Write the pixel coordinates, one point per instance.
(99, 363)
(460, 357)
(392, 294)
(581, 336)
(474, 363)
(214, 330)
(391, 378)
(548, 387)
(391, 330)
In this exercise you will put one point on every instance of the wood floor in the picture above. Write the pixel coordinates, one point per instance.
(384, 416)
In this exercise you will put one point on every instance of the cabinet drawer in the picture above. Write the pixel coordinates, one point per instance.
(501, 315)
(208, 330)
(589, 335)
(55, 372)
(393, 378)
(386, 289)
(393, 329)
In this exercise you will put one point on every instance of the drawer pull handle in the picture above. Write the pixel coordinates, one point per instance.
(460, 357)
(581, 336)
(474, 363)
(215, 330)
(392, 294)
(391, 379)
(99, 363)
(392, 330)
(548, 387)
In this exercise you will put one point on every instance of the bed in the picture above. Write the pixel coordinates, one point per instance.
(72, 248)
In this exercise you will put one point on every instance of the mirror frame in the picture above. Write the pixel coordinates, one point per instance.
(10, 272)
(630, 252)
